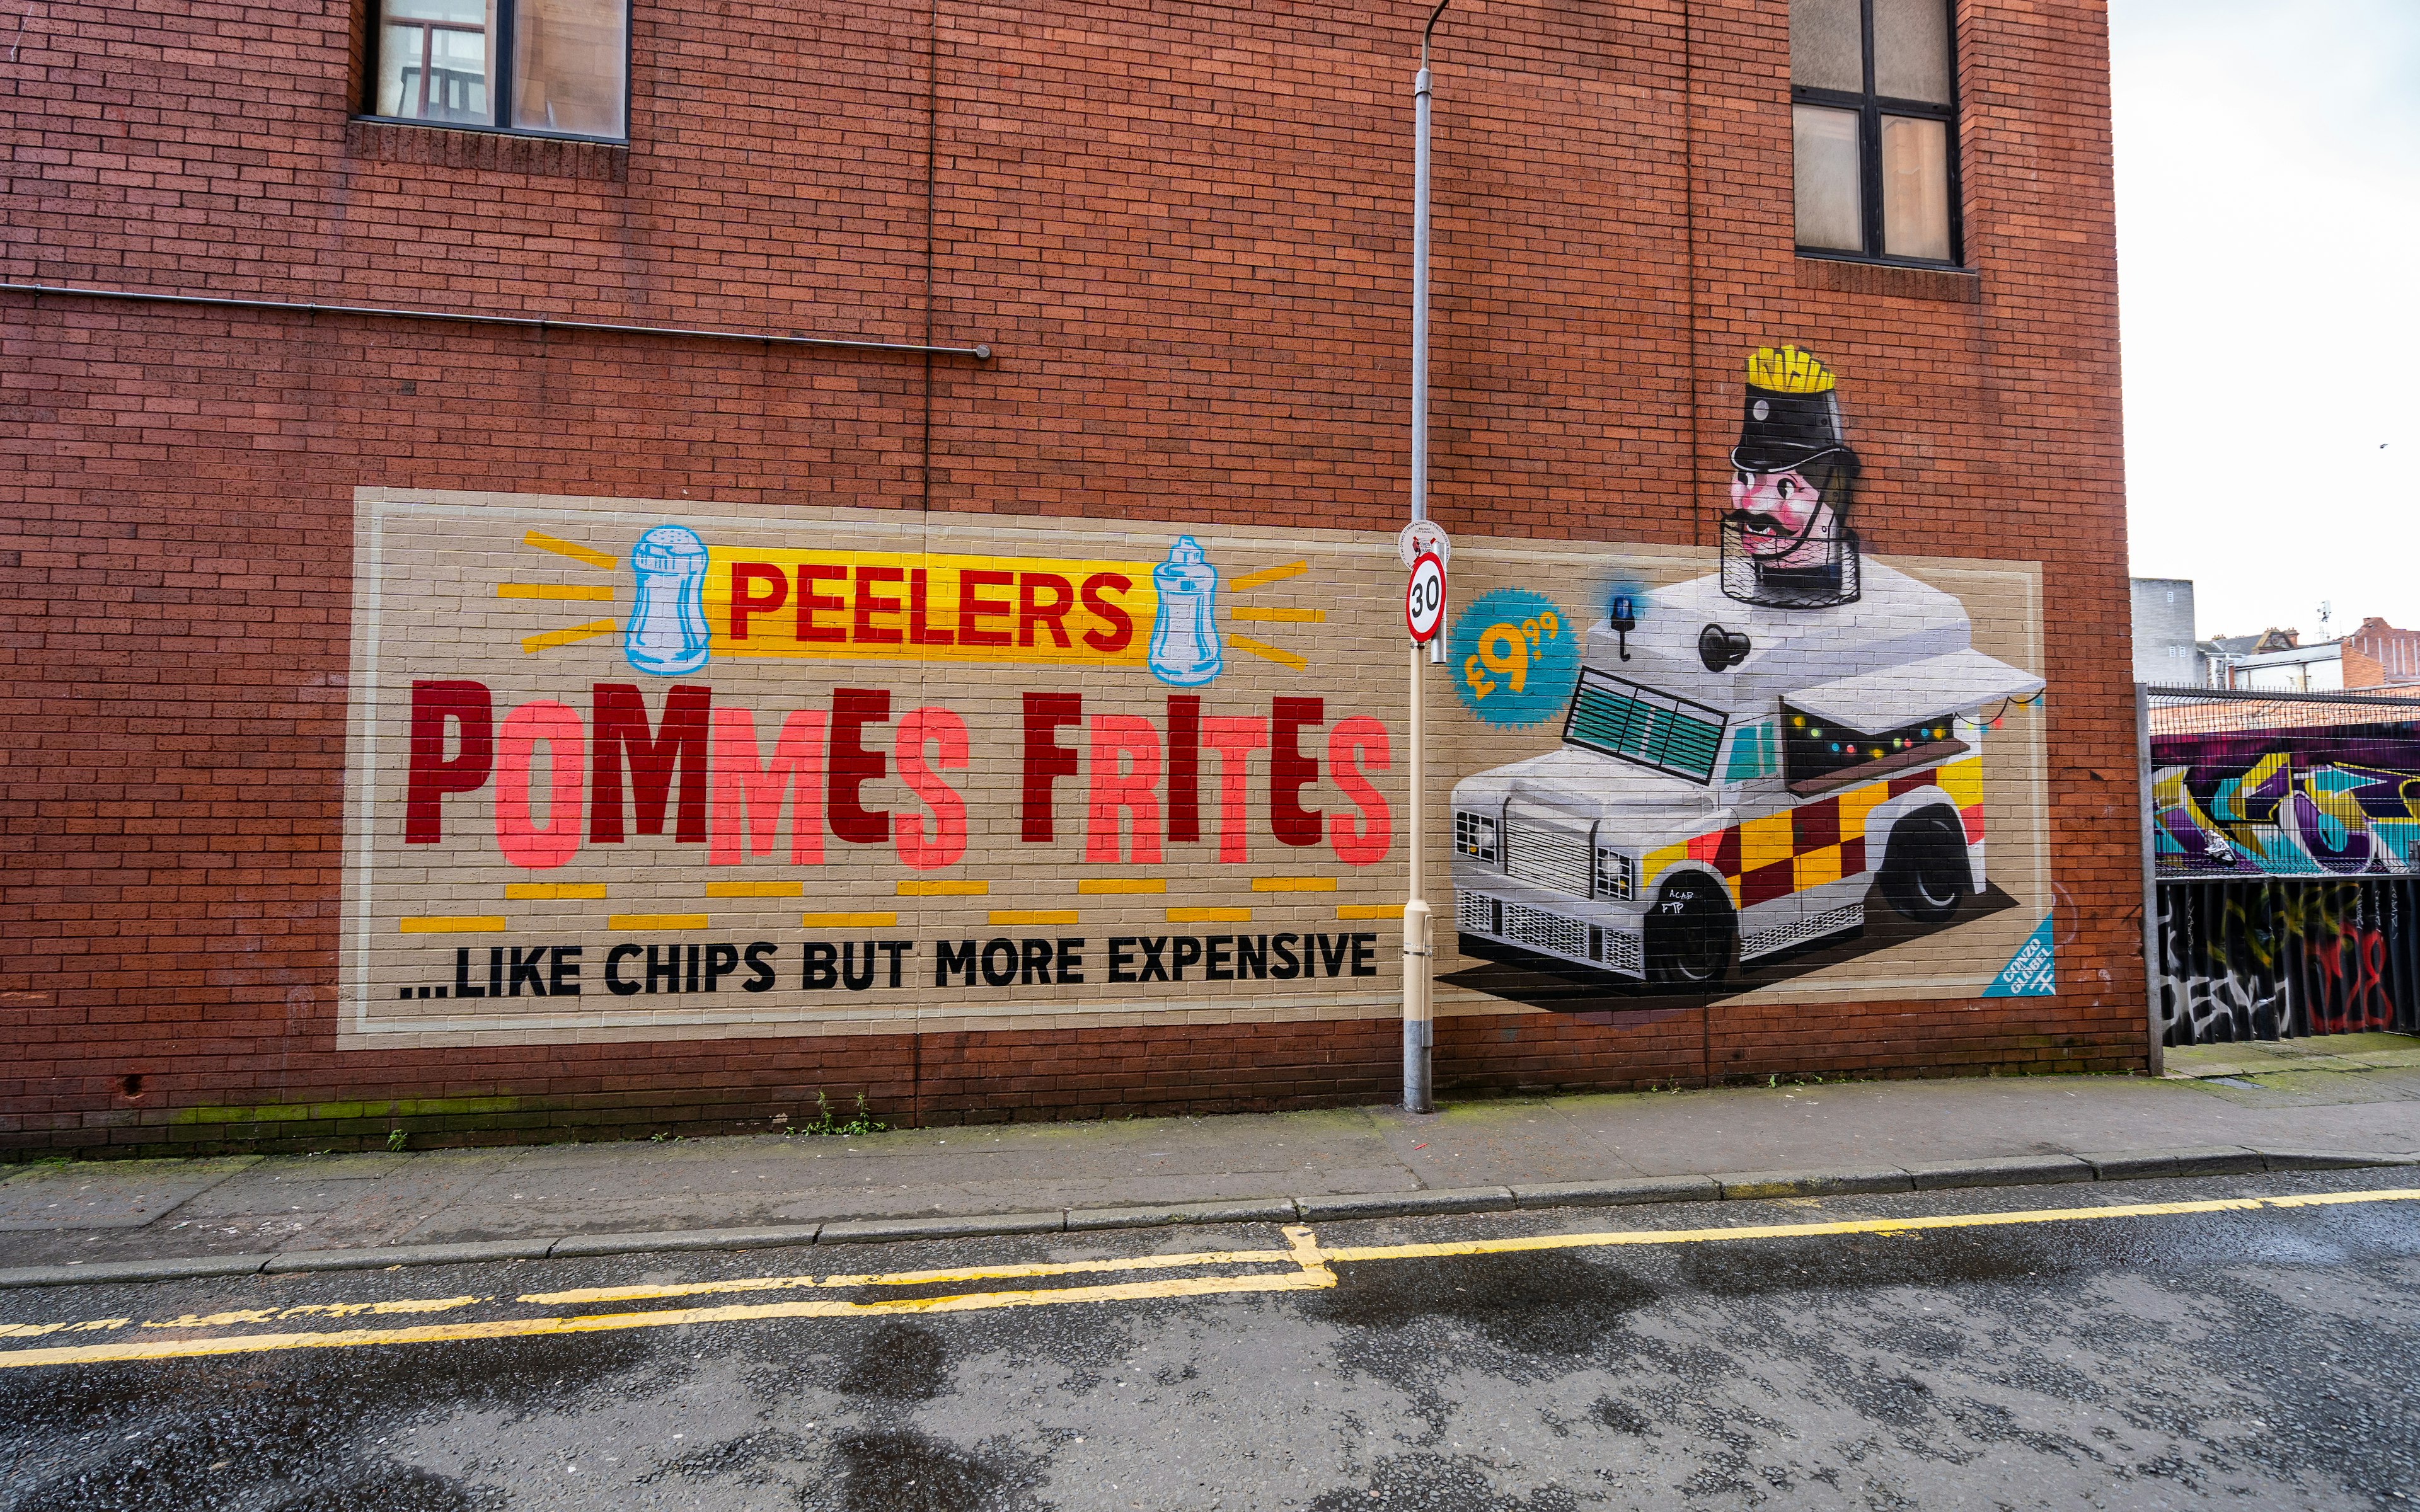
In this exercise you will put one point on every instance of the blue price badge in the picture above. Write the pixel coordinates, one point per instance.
(1515, 658)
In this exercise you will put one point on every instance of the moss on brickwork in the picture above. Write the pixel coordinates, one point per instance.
(422, 1107)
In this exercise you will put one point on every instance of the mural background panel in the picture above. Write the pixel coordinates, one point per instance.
(891, 798)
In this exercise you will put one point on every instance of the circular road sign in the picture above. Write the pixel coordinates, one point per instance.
(1424, 598)
(1423, 535)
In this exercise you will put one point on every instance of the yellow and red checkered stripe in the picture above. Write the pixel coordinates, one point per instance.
(1815, 842)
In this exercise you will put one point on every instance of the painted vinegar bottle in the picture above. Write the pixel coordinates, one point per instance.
(667, 633)
(1185, 649)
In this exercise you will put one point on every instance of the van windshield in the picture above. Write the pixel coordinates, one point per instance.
(1616, 717)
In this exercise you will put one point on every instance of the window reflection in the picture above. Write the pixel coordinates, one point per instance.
(433, 61)
(1831, 210)
(567, 66)
(1916, 188)
(438, 61)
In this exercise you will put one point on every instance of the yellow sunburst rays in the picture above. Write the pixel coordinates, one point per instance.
(1248, 614)
(564, 593)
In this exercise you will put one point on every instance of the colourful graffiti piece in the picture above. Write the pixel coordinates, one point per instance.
(2339, 800)
(2266, 959)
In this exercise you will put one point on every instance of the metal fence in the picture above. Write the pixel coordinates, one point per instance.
(2283, 857)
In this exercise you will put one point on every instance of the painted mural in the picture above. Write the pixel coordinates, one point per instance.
(2305, 801)
(656, 769)
(1753, 762)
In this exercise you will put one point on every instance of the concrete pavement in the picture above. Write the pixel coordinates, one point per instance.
(335, 1209)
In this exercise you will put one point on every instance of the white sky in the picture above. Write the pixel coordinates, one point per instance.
(2269, 273)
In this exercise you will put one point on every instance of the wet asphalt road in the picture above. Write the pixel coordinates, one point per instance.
(2254, 1359)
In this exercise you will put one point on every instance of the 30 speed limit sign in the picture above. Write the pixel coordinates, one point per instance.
(1424, 598)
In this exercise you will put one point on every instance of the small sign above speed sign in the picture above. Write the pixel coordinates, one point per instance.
(1423, 536)
(1424, 598)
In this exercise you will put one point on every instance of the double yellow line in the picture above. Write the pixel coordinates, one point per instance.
(1303, 1265)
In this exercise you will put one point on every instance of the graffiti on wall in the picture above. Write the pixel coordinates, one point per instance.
(2264, 960)
(630, 769)
(1752, 760)
(2340, 800)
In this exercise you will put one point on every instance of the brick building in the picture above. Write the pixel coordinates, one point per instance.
(287, 583)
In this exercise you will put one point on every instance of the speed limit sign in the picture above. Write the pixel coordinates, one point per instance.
(1424, 598)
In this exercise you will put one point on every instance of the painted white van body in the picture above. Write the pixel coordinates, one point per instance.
(1670, 782)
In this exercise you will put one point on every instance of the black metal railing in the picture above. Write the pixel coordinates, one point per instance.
(1822, 572)
(2286, 957)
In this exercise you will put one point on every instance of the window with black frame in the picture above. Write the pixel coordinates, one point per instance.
(1874, 129)
(559, 68)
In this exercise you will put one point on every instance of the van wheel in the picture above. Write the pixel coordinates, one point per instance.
(1925, 877)
(1690, 933)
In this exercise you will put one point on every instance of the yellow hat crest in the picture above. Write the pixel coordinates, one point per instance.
(1788, 370)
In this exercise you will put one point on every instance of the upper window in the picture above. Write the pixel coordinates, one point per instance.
(560, 66)
(1872, 84)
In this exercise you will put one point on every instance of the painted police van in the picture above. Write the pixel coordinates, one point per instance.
(1740, 767)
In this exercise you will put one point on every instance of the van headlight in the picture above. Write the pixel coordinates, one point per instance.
(1617, 874)
(1474, 834)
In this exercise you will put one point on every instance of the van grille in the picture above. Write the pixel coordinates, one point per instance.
(1621, 951)
(1542, 931)
(1474, 912)
(1764, 942)
(1547, 854)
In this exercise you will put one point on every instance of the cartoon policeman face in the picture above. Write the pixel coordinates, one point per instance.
(1785, 519)
(1792, 471)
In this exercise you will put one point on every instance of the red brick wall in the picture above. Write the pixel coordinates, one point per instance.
(1182, 228)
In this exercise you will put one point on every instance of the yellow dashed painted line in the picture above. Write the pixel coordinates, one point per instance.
(1855, 1225)
(1312, 1269)
(562, 593)
(755, 890)
(1311, 1274)
(532, 645)
(569, 549)
(1268, 575)
(909, 1278)
(671, 1318)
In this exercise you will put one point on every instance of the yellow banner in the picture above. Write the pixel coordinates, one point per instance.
(911, 607)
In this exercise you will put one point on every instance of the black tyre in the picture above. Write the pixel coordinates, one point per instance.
(1691, 932)
(1924, 876)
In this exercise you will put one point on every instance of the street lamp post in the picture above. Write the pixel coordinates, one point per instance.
(1419, 936)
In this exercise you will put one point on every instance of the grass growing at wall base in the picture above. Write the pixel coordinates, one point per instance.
(864, 1123)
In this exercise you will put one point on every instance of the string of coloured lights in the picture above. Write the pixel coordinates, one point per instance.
(1992, 722)
(1846, 743)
